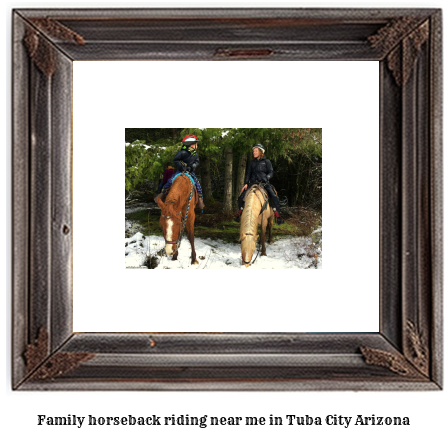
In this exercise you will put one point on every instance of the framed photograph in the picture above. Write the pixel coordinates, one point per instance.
(51, 351)
(230, 192)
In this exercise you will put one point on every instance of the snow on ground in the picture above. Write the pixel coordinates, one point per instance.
(286, 253)
(141, 206)
(131, 227)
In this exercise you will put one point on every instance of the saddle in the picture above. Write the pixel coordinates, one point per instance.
(255, 187)
(198, 202)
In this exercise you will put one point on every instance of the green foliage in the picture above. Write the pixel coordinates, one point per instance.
(210, 140)
(296, 154)
(306, 141)
(278, 142)
(242, 140)
(299, 168)
(151, 135)
(137, 161)
(146, 162)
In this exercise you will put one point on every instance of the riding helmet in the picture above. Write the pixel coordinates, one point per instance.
(189, 140)
(259, 146)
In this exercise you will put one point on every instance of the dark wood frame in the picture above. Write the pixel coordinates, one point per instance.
(406, 354)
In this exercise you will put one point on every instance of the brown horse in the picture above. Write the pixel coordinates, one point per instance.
(173, 214)
(250, 219)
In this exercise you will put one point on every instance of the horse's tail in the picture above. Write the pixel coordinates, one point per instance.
(249, 218)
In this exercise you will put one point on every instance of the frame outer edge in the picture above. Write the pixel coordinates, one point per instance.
(20, 200)
(279, 385)
(424, 269)
(204, 12)
(436, 138)
(40, 311)
(40, 203)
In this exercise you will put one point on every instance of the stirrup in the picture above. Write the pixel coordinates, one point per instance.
(160, 196)
(238, 218)
(278, 219)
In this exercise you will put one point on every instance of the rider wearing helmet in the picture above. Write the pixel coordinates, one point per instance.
(260, 171)
(187, 159)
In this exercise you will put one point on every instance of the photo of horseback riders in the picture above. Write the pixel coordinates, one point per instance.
(224, 193)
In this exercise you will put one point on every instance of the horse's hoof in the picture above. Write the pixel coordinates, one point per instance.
(264, 254)
(195, 262)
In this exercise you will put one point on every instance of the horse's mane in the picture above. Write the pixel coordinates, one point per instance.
(249, 218)
(174, 195)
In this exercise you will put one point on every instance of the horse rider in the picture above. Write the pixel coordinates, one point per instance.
(169, 172)
(260, 171)
(186, 160)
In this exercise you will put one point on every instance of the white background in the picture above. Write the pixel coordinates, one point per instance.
(427, 410)
(341, 297)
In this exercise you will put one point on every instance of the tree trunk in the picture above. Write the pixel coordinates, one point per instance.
(241, 174)
(206, 182)
(292, 185)
(236, 160)
(227, 210)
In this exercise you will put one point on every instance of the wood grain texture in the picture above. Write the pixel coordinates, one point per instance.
(61, 201)
(406, 354)
(391, 236)
(436, 195)
(20, 207)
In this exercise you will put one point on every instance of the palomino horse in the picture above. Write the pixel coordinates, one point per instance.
(255, 200)
(174, 211)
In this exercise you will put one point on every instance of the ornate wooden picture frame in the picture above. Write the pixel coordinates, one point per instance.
(406, 353)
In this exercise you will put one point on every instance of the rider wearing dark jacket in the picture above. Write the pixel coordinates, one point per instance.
(260, 171)
(186, 159)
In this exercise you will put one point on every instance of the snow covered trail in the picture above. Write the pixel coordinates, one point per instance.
(286, 253)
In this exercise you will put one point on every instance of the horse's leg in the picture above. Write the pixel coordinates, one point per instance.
(176, 253)
(263, 237)
(190, 234)
(270, 224)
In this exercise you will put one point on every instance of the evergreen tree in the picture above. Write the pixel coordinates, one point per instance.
(296, 155)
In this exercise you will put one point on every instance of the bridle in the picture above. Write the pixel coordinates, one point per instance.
(167, 242)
